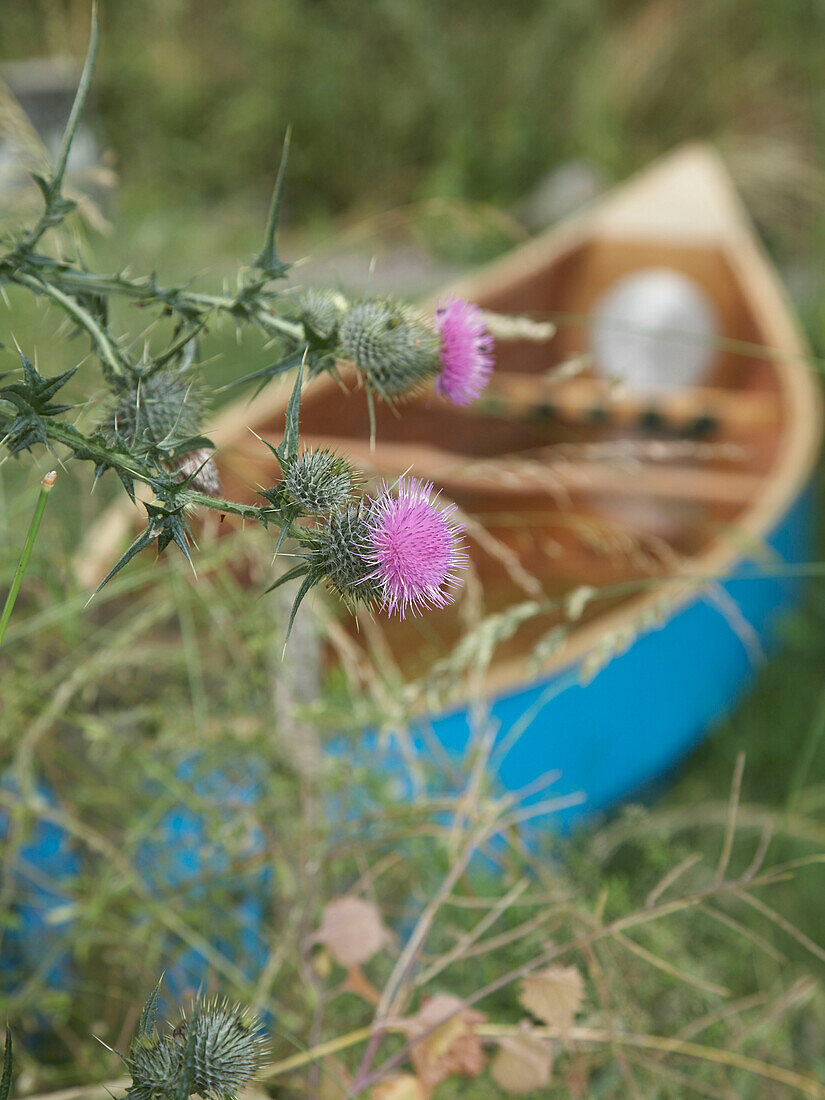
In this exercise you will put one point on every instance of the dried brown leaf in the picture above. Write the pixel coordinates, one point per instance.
(523, 1062)
(450, 1046)
(553, 995)
(352, 931)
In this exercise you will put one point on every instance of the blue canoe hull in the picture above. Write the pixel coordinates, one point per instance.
(648, 707)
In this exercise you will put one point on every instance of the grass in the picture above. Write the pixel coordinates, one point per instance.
(129, 709)
(159, 669)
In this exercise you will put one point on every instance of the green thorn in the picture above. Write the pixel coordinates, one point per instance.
(268, 259)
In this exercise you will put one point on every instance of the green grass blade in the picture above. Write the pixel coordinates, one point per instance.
(46, 487)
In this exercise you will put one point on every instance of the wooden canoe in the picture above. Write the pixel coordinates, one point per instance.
(695, 534)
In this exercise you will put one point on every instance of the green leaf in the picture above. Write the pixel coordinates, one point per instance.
(149, 1015)
(144, 539)
(293, 417)
(8, 1061)
(180, 534)
(290, 575)
(267, 373)
(126, 480)
(32, 399)
(43, 186)
(302, 591)
(191, 443)
(185, 343)
(289, 517)
(268, 260)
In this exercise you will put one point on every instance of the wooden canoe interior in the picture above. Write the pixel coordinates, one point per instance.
(560, 535)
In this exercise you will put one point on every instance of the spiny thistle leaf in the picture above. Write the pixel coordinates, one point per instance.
(309, 582)
(293, 417)
(32, 401)
(266, 374)
(144, 539)
(8, 1062)
(166, 524)
(172, 527)
(268, 261)
(148, 1017)
(184, 347)
(291, 575)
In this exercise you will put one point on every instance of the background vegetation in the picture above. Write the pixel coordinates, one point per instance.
(471, 102)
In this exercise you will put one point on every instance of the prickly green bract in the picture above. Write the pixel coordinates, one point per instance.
(339, 554)
(318, 481)
(162, 410)
(320, 312)
(392, 345)
(212, 1052)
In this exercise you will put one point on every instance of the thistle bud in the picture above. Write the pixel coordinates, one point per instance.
(392, 345)
(154, 1064)
(224, 1045)
(228, 1048)
(319, 481)
(159, 409)
(320, 312)
(340, 554)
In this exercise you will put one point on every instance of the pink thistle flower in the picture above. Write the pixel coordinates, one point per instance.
(413, 547)
(466, 351)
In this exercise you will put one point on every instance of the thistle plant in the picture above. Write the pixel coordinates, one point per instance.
(397, 550)
(212, 1052)
(154, 403)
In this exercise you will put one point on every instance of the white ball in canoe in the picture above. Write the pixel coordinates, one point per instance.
(655, 331)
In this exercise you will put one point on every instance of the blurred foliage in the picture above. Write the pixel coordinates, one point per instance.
(194, 825)
(130, 709)
(398, 100)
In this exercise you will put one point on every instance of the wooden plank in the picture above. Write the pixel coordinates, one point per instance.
(542, 471)
(584, 398)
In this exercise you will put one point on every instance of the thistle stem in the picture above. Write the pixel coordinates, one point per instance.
(101, 340)
(46, 487)
(148, 293)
